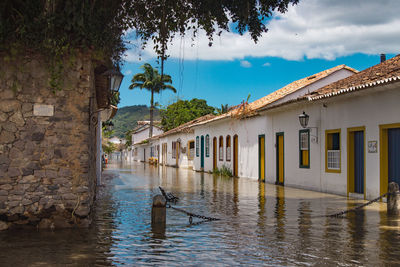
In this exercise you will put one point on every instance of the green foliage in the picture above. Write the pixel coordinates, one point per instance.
(126, 118)
(184, 111)
(151, 80)
(223, 109)
(52, 25)
(224, 171)
(109, 148)
(57, 26)
(128, 138)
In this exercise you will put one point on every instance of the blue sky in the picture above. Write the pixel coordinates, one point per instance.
(304, 41)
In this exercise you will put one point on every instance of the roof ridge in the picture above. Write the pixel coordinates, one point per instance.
(368, 77)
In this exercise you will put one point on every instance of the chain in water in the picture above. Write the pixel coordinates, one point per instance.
(171, 198)
(338, 214)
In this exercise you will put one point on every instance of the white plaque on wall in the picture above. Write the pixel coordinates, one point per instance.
(43, 110)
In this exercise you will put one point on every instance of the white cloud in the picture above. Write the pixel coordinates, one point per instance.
(266, 64)
(245, 64)
(312, 29)
(128, 72)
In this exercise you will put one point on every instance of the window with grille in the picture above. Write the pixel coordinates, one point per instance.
(304, 140)
(228, 148)
(333, 155)
(221, 148)
(207, 145)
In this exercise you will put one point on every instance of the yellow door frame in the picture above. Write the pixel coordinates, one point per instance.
(383, 155)
(350, 159)
(261, 157)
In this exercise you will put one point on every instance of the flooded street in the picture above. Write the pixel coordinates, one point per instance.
(261, 224)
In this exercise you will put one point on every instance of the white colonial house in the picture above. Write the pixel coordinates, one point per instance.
(177, 146)
(142, 131)
(141, 148)
(231, 139)
(348, 141)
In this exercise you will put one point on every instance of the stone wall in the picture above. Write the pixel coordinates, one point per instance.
(47, 162)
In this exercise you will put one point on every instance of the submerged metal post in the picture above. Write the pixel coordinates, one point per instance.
(393, 199)
(159, 211)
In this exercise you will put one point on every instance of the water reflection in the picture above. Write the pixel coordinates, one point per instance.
(261, 224)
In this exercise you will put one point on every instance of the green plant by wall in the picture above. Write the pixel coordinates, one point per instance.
(223, 171)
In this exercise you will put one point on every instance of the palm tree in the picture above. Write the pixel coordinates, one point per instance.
(223, 109)
(151, 80)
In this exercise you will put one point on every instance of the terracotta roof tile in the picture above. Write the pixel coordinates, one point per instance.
(186, 126)
(384, 72)
(294, 86)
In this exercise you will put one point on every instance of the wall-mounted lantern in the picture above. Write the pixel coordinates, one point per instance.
(115, 78)
(303, 119)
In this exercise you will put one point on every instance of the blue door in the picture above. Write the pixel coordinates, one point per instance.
(394, 155)
(202, 152)
(359, 162)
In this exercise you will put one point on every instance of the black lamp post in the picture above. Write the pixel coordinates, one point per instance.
(303, 118)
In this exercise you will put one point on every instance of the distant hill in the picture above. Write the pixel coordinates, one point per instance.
(126, 118)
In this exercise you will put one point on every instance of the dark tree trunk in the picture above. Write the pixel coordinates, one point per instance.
(151, 113)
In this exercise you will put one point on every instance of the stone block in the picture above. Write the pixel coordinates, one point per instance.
(27, 107)
(6, 137)
(4, 181)
(39, 173)
(61, 181)
(65, 172)
(4, 159)
(26, 202)
(38, 136)
(51, 174)
(69, 196)
(3, 117)
(13, 172)
(5, 187)
(17, 119)
(20, 144)
(17, 210)
(9, 105)
(15, 153)
(12, 204)
(53, 187)
(9, 126)
(82, 211)
(29, 179)
(3, 193)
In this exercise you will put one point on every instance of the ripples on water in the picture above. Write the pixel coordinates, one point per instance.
(260, 225)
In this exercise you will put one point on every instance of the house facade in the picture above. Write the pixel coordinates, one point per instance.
(350, 146)
(231, 139)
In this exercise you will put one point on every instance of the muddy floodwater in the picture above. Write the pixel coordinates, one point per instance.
(261, 224)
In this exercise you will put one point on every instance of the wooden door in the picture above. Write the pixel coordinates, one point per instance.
(214, 153)
(202, 152)
(261, 157)
(280, 158)
(178, 149)
(235, 156)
